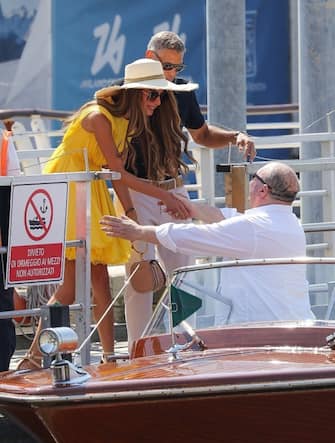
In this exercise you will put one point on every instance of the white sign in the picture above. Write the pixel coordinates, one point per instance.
(36, 243)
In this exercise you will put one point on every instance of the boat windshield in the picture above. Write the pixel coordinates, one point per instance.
(246, 291)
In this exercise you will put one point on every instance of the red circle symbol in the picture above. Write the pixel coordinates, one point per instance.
(38, 214)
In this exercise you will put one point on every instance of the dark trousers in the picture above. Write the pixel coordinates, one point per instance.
(7, 328)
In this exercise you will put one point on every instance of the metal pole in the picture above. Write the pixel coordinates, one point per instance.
(83, 265)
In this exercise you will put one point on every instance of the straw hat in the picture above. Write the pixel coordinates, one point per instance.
(145, 73)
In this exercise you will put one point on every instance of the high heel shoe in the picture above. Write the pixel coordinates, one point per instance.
(107, 357)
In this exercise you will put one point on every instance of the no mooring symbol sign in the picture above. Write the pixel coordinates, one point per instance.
(36, 244)
(38, 214)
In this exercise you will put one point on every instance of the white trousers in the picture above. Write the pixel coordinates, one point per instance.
(138, 306)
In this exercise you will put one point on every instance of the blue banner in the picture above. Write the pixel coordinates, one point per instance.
(267, 52)
(93, 41)
(267, 64)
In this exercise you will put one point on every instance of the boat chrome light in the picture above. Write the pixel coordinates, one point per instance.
(52, 341)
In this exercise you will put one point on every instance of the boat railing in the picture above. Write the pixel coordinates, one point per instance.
(325, 287)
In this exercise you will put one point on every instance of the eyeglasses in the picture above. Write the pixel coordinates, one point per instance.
(152, 95)
(260, 179)
(167, 66)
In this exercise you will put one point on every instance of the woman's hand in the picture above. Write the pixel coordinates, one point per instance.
(132, 214)
(200, 211)
(191, 207)
(176, 207)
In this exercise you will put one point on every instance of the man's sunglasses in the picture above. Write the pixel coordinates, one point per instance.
(260, 179)
(169, 66)
(152, 95)
(285, 195)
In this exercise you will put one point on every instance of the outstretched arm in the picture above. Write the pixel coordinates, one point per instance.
(98, 123)
(124, 227)
(200, 211)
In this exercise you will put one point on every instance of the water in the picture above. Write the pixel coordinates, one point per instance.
(10, 433)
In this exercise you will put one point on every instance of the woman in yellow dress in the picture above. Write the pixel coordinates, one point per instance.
(98, 135)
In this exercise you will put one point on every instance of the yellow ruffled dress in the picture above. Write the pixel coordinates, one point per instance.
(69, 157)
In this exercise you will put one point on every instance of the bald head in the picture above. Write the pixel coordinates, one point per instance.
(281, 180)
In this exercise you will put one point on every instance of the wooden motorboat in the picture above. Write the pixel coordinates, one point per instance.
(192, 380)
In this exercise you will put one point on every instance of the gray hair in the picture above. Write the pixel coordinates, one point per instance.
(166, 40)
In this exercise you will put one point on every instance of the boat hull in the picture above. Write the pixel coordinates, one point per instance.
(278, 416)
(267, 384)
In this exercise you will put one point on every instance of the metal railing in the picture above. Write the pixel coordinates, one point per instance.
(40, 147)
(35, 146)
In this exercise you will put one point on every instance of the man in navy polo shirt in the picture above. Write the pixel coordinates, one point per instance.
(169, 49)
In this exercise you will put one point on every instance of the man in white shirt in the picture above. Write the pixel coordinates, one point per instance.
(269, 229)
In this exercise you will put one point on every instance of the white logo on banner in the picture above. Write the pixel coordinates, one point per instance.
(164, 26)
(110, 47)
(251, 59)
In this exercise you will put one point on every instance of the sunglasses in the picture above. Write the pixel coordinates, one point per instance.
(169, 66)
(152, 95)
(286, 195)
(260, 179)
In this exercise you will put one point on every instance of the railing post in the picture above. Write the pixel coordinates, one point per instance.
(83, 264)
(328, 183)
(207, 172)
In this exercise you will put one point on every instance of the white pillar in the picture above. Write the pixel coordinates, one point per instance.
(226, 78)
(316, 98)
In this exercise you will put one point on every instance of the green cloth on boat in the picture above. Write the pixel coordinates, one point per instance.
(183, 304)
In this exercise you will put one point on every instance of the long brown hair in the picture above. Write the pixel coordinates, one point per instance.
(161, 141)
(160, 137)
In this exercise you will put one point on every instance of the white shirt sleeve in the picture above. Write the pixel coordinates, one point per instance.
(229, 212)
(231, 238)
